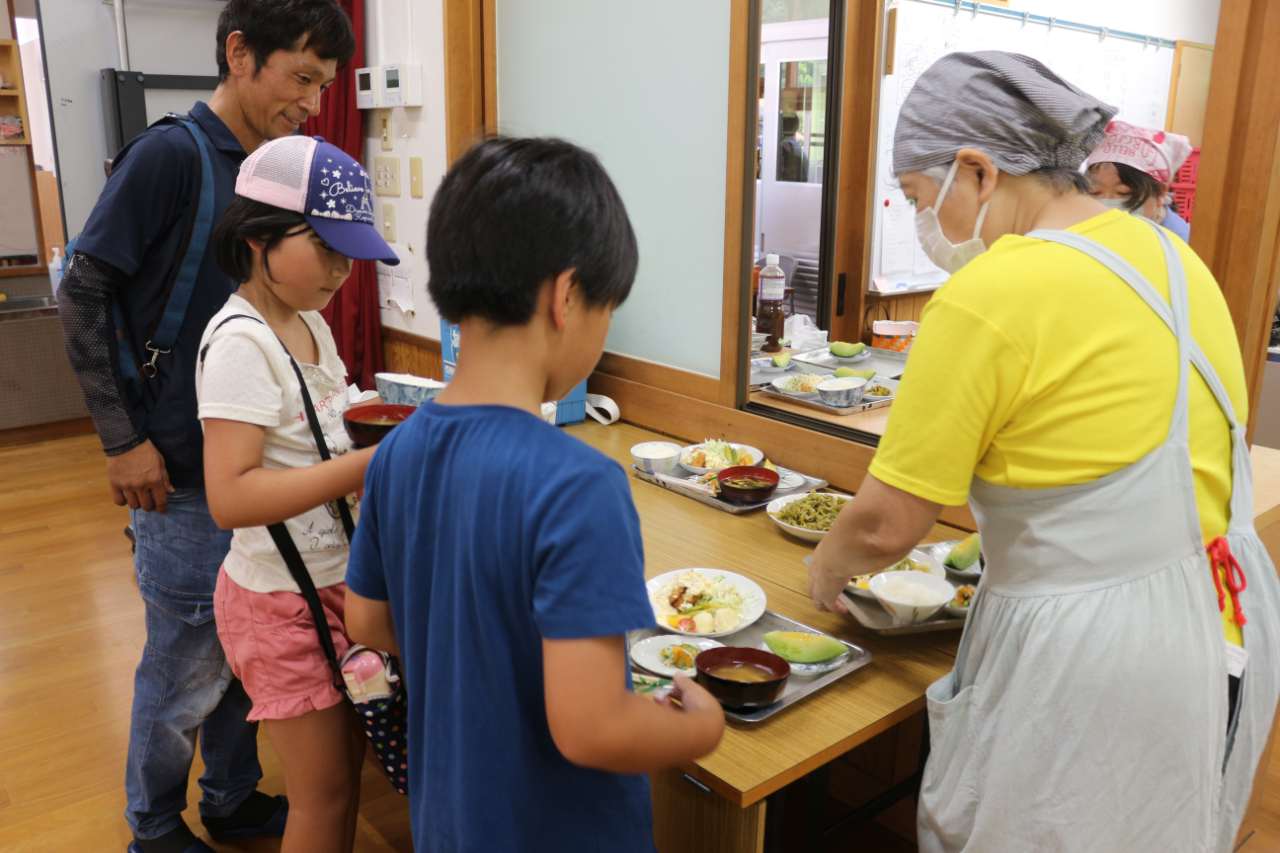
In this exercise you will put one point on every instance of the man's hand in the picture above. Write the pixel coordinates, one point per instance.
(138, 478)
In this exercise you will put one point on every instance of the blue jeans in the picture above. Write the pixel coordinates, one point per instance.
(184, 682)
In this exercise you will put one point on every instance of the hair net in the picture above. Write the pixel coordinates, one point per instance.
(1013, 108)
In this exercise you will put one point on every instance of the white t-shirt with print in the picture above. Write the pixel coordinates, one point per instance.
(245, 376)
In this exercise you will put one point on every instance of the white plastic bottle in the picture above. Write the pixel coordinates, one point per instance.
(771, 315)
(55, 269)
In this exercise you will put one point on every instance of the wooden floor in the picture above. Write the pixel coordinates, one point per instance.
(71, 634)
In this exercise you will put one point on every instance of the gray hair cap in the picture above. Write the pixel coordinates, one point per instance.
(1013, 108)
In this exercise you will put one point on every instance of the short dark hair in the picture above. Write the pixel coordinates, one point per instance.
(1062, 179)
(512, 213)
(1141, 185)
(271, 25)
(247, 220)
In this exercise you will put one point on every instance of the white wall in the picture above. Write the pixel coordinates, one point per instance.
(165, 37)
(1188, 20)
(644, 86)
(394, 32)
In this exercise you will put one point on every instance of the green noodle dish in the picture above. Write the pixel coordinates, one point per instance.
(813, 512)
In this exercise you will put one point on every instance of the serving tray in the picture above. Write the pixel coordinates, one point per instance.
(674, 483)
(751, 637)
(830, 410)
(887, 363)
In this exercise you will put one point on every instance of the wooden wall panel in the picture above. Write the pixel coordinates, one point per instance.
(1189, 90)
(408, 353)
(1237, 230)
(464, 77)
(863, 55)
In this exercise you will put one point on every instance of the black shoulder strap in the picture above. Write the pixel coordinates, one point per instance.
(280, 534)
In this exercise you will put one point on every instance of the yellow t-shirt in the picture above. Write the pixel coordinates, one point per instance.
(1035, 367)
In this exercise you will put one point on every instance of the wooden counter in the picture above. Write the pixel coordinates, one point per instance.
(755, 760)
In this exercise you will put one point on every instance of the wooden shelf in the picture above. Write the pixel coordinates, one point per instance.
(14, 103)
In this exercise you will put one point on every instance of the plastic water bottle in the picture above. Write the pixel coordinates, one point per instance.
(55, 269)
(771, 315)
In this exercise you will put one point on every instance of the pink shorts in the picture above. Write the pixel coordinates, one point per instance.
(271, 643)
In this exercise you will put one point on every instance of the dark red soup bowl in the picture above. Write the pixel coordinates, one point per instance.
(368, 424)
(714, 665)
(739, 495)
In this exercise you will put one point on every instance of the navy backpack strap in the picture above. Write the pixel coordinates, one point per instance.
(182, 280)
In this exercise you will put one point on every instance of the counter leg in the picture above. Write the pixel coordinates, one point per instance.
(690, 818)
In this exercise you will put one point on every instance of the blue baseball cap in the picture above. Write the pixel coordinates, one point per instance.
(331, 190)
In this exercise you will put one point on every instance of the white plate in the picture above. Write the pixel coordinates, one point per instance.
(788, 480)
(865, 354)
(808, 535)
(934, 564)
(757, 458)
(799, 395)
(806, 670)
(647, 654)
(752, 592)
(939, 552)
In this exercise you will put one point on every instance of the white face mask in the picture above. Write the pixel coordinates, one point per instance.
(1119, 204)
(945, 254)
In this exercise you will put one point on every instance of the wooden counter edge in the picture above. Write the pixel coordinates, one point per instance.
(754, 795)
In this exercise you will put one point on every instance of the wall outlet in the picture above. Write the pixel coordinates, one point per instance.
(384, 119)
(415, 177)
(389, 222)
(386, 176)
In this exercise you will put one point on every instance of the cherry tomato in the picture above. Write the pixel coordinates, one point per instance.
(687, 625)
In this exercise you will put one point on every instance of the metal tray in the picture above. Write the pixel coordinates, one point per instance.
(751, 637)
(820, 406)
(885, 362)
(871, 615)
(673, 483)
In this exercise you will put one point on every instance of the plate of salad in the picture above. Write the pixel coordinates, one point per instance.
(707, 603)
(670, 656)
(714, 455)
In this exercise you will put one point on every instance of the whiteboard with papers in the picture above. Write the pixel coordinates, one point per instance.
(1127, 74)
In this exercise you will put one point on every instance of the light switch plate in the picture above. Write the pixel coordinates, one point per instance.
(384, 119)
(386, 176)
(415, 177)
(389, 222)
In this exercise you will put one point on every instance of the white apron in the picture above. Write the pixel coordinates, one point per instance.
(1087, 710)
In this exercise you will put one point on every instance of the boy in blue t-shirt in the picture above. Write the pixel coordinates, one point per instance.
(503, 558)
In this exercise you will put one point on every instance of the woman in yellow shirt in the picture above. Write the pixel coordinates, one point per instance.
(1052, 385)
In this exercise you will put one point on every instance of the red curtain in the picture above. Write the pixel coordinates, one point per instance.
(352, 315)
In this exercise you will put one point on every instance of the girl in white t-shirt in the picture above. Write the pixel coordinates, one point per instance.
(301, 214)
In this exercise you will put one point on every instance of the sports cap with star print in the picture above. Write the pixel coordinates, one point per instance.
(307, 175)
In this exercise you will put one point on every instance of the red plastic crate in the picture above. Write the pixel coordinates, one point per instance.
(1186, 198)
(1187, 173)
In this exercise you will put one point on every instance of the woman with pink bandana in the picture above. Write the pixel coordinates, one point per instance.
(1132, 169)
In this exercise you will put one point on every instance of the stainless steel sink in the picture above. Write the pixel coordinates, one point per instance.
(28, 307)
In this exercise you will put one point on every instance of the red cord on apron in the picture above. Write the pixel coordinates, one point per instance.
(1220, 555)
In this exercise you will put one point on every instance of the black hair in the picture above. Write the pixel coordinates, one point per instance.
(247, 220)
(271, 25)
(1141, 185)
(1062, 179)
(512, 213)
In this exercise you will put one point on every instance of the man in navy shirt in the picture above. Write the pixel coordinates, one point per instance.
(275, 60)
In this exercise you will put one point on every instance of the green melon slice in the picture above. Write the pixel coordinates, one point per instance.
(965, 553)
(782, 359)
(843, 350)
(799, 647)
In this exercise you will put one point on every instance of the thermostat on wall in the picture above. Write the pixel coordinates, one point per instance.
(368, 88)
(402, 85)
